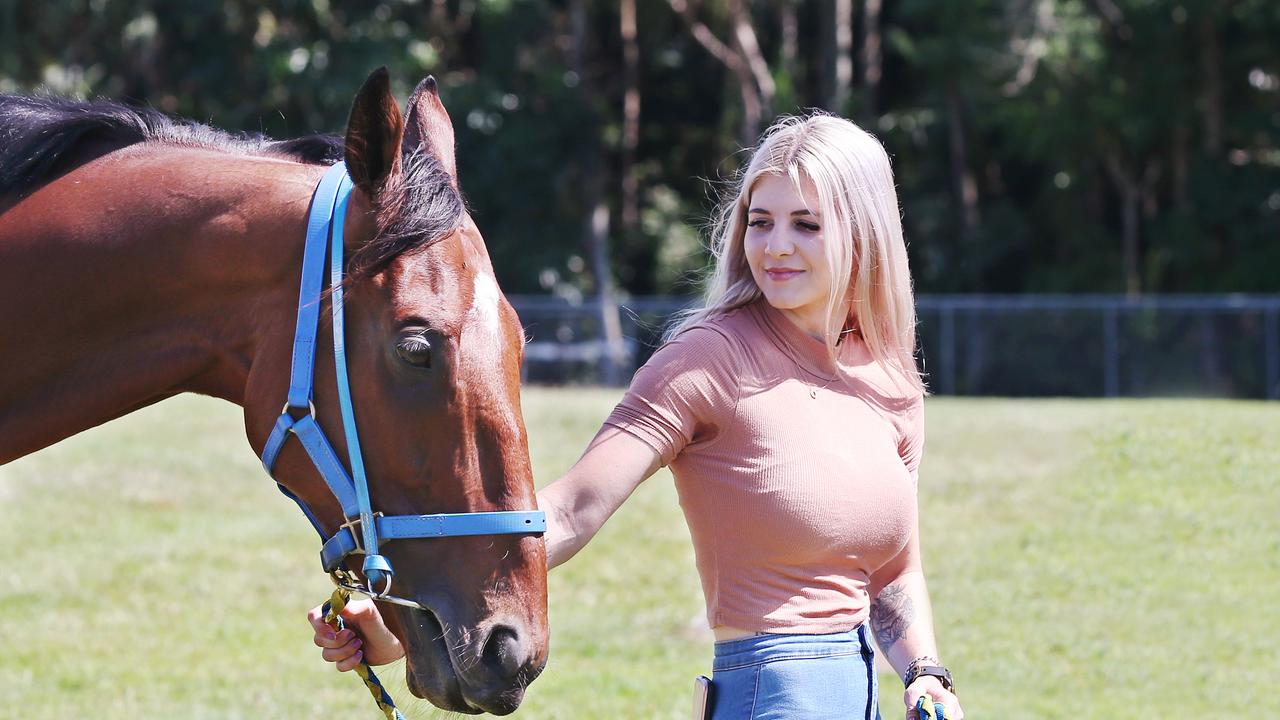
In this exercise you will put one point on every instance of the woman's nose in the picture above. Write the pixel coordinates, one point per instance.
(778, 245)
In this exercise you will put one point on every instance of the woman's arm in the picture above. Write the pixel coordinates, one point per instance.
(577, 505)
(902, 621)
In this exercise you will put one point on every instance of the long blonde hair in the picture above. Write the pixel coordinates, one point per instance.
(850, 170)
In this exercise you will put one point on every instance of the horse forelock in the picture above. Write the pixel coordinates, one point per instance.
(418, 207)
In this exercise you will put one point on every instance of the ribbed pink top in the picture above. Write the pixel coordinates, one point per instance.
(797, 480)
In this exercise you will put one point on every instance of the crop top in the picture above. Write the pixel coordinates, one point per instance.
(797, 476)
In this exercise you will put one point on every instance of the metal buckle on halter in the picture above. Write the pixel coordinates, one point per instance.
(379, 594)
(352, 525)
(348, 580)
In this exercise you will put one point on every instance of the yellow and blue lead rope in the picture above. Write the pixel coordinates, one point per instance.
(333, 616)
(922, 712)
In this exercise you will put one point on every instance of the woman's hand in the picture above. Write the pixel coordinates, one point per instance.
(364, 637)
(931, 687)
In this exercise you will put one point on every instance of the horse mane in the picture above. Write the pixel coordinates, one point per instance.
(44, 136)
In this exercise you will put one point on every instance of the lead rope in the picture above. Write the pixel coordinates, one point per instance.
(333, 616)
(922, 711)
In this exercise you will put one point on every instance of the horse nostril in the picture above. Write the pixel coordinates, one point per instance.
(502, 651)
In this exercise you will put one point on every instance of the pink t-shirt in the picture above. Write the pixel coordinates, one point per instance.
(797, 479)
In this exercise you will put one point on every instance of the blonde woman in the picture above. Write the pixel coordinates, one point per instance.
(790, 412)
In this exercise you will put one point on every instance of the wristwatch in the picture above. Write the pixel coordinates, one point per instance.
(939, 671)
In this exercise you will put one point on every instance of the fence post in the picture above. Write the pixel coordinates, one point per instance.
(1271, 352)
(1111, 351)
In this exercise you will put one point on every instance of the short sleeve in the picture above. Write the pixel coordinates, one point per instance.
(683, 395)
(911, 438)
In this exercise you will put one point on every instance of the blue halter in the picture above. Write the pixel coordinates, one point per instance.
(324, 231)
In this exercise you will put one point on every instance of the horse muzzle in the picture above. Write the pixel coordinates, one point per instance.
(448, 669)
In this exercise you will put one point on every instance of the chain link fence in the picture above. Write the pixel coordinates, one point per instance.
(1026, 345)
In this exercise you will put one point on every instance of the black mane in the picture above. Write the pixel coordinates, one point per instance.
(44, 136)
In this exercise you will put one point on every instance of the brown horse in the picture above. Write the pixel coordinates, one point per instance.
(142, 257)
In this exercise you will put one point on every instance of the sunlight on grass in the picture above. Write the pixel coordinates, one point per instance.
(1086, 558)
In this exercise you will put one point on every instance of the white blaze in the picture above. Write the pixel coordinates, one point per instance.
(484, 307)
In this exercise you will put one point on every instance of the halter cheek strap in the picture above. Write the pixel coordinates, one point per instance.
(298, 418)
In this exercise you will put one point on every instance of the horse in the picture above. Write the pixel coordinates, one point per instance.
(143, 256)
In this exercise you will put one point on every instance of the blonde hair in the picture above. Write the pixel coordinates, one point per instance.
(850, 170)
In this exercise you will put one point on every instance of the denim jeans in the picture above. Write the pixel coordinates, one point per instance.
(796, 677)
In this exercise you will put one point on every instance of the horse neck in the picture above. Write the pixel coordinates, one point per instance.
(146, 273)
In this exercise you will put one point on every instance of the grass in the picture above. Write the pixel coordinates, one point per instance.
(1087, 559)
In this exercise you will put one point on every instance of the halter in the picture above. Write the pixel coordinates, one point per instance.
(364, 529)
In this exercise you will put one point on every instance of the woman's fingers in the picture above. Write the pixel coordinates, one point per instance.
(345, 656)
(350, 663)
(347, 647)
(328, 639)
(951, 704)
(381, 646)
(931, 688)
(340, 647)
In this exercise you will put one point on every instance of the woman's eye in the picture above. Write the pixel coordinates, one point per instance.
(758, 222)
(807, 227)
(415, 350)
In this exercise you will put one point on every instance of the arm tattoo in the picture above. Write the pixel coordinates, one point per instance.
(891, 614)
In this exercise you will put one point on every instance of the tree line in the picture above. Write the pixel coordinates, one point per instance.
(1039, 145)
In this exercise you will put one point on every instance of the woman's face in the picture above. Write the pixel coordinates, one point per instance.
(784, 248)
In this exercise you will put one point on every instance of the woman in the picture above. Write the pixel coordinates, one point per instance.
(790, 411)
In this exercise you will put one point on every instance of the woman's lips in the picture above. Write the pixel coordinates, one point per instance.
(782, 274)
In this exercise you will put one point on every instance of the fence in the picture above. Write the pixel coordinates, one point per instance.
(1030, 345)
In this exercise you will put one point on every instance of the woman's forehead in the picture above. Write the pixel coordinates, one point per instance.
(775, 192)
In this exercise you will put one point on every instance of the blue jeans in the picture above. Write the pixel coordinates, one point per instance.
(787, 677)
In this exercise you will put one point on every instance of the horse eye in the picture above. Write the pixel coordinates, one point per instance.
(415, 350)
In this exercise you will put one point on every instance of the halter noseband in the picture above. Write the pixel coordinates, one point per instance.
(363, 529)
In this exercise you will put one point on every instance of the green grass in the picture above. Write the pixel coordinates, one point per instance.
(1087, 559)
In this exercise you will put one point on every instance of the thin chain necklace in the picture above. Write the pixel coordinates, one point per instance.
(813, 391)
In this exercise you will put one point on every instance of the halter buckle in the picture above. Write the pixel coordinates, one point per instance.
(347, 580)
(386, 586)
(352, 525)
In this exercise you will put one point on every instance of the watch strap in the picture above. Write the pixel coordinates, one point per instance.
(938, 671)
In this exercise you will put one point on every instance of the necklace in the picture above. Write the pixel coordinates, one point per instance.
(813, 391)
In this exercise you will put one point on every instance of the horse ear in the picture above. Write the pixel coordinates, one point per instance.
(374, 133)
(428, 127)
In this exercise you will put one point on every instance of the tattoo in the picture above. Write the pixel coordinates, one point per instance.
(891, 614)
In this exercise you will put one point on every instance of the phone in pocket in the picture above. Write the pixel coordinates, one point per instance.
(703, 694)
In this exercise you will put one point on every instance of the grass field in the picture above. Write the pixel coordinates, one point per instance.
(1088, 559)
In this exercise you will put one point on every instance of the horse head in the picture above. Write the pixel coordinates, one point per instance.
(433, 351)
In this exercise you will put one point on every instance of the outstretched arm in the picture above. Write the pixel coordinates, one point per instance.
(577, 505)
